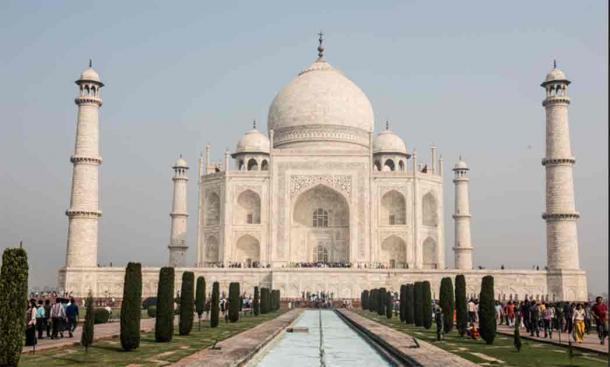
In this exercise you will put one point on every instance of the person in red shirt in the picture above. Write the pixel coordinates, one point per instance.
(600, 312)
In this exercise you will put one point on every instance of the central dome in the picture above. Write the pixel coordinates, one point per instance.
(321, 104)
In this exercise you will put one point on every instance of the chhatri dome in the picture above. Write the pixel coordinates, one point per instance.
(321, 104)
(388, 142)
(253, 141)
(90, 74)
(555, 75)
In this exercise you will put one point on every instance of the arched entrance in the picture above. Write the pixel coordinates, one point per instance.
(394, 252)
(247, 250)
(320, 226)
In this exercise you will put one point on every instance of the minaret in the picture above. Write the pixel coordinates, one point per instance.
(83, 214)
(463, 245)
(560, 214)
(177, 241)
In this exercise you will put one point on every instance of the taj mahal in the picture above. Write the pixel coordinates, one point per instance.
(321, 202)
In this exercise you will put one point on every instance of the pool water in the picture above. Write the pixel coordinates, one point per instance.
(329, 342)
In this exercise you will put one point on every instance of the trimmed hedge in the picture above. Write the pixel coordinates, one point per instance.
(187, 303)
(13, 300)
(164, 322)
(461, 307)
(256, 304)
(215, 306)
(100, 315)
(418, 301)
(131, 307)
(409, 304)
(447, 303)
(86, 338)
(427, 306)
(487, 312)
(234, 302)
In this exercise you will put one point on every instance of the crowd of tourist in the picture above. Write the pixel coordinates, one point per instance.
(52, 317)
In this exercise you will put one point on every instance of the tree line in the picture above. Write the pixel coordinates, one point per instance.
(415, 305)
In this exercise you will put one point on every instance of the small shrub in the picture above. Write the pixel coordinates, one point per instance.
(100, 316)
(151, 311)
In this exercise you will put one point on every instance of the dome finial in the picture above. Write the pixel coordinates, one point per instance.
(90, 63)
(554, 64)
(320, 48)
(254, 123)
(387, 124)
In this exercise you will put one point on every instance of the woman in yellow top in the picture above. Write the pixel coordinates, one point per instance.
(578, 319)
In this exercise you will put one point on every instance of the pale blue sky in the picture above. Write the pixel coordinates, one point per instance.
(462, 75)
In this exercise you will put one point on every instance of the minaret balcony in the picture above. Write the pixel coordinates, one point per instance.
(560, 216)
(556, 100)
(72, 213)
(82, 159)
(558, 161)
(80, 100)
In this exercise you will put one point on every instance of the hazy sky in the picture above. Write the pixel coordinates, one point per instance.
(463, 75)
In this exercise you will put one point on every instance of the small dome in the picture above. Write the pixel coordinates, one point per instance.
(253, 141)
(554, 76)
(460, 165)
(181, 163)
(388, 142)
(91, 75)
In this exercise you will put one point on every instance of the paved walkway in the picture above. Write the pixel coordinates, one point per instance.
(101, 331)
(421, 352)
(590, 342)
(240, 348)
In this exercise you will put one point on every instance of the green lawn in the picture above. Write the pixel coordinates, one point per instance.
(533, 354)
(150, 353)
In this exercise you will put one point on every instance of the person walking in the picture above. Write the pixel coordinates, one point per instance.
(40, 319)
(534, 319)
(47, 316)
(471, 311)
(578, 319)
(72, 316)
(600, 314)
(547, 318)
(58, 314)
(510, 313)
(438, 319)
(30, 324)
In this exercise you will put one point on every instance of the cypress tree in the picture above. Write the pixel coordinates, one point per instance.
(279, 297)
(268, 301)
(164, 322)
(87, 336)
(256, 302)
(427, 306)
(447, 303)
(264, 300)
(233, 302)
(418, 301)
(373, 300)
(389, 306)
(131, 306)
(402, 304)
(365, 300)
(487, 312)
(381, 301)
(409, 304)
(187, 303)
(200, 298)
(461, 307)
(215, 307)
(13, 299)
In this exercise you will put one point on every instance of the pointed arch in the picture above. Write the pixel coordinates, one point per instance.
(252, 165)
(393, 208)
(429, 253)
(248, 209)
(247, 250)
(211, 250)
(265, 165)
(430, 210)
(212, 209)
(394, 251)
(389, 164)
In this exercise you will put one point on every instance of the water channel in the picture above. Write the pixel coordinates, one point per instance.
(328, 341)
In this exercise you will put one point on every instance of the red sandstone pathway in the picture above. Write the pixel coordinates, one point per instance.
(590, 342)
(102, 331)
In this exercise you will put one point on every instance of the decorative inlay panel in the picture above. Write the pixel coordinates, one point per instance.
(298, 183)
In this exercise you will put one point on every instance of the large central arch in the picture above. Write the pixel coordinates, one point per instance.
(320, 220)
